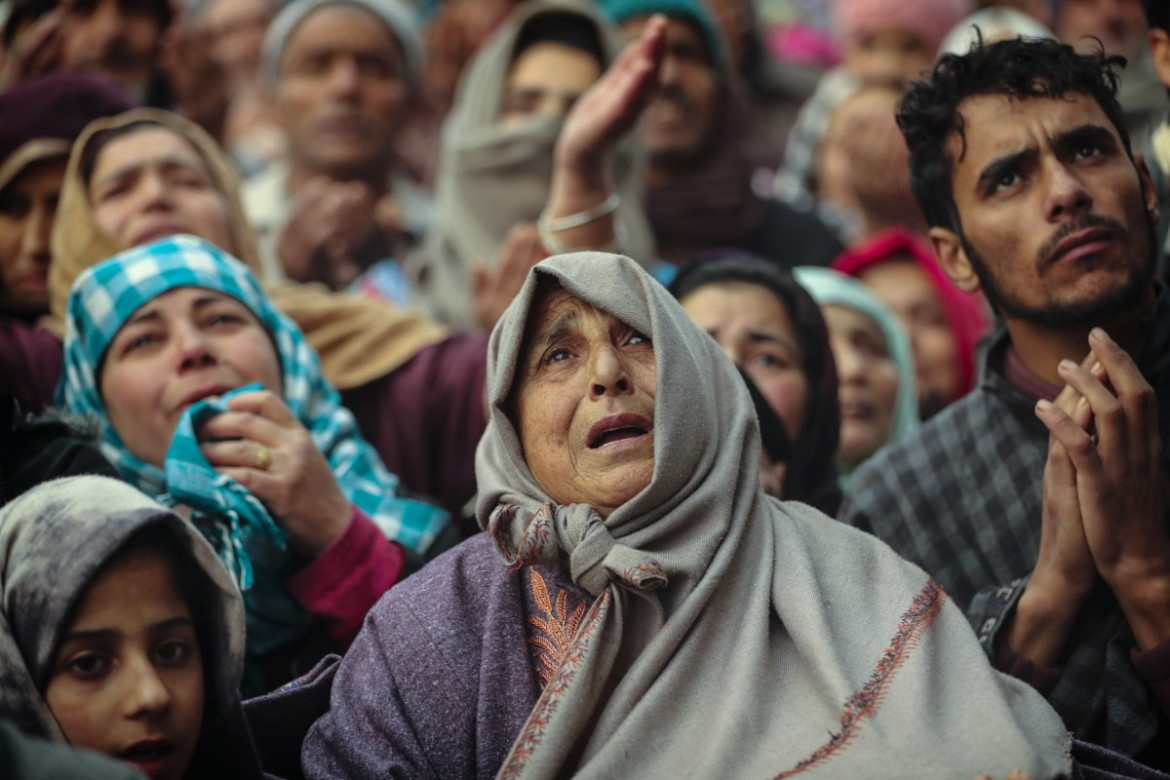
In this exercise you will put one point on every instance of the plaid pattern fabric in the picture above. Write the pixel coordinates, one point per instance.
(105, 296)
(962, 497)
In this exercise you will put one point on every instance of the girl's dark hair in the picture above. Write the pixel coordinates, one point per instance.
(811, 472)
(566, 29)
(1021, 68)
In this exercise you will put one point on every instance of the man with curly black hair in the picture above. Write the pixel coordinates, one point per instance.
(1040, 501)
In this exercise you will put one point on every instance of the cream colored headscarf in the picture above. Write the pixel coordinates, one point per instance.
(733, 634)
(358, 339)
(492, 177)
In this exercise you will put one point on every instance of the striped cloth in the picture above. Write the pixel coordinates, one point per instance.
(105, 296)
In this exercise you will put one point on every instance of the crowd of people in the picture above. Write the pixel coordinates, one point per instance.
(532, 388)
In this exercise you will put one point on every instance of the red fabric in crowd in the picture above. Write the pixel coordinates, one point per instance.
(965, 311)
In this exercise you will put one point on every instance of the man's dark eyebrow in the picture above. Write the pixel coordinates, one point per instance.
(1070, 139)
(1001, 166)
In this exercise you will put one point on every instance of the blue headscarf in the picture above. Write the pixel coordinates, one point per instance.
(238, 526)
(830, 287)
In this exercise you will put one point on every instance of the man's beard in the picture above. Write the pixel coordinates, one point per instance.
(1063, 315)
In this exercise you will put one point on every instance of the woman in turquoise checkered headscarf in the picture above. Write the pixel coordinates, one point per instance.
(186, 424)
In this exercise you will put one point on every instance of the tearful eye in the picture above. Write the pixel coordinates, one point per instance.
(558, 356)
(638, 338)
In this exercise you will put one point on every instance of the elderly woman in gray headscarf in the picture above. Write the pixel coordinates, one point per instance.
(639, 608)
(497, 159)
(120, 631)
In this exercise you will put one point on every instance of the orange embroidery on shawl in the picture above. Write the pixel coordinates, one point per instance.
(866, 702)
(557, 626)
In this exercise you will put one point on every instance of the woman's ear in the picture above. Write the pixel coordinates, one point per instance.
(952, 257)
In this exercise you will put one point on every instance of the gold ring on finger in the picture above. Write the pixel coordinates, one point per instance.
(263, 458)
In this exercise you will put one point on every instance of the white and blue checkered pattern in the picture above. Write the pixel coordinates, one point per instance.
(105, 296)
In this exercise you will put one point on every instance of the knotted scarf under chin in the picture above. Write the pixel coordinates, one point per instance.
(577, 531)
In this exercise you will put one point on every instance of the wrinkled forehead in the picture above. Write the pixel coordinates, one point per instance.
(327, 29)
(553, 310)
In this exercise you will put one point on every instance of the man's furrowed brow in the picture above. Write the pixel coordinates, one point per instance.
(1086, 133)
(1001, 166)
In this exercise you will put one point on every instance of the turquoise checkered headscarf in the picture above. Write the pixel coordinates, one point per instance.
(104, 298)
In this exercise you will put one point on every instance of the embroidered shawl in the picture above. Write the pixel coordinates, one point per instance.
(358, 340)
(731, 631)
(491, 177)
(53, 541)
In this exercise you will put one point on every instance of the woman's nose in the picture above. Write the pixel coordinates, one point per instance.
(850, 365)
(194, 349)
(608, 375)
(146, 694)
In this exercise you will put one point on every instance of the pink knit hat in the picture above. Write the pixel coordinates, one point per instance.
(931, 20)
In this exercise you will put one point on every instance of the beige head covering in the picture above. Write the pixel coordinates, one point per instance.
(734, 634)
(491, 177)
(358, 339)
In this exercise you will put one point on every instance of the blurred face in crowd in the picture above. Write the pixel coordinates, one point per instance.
(150, 183)
(118, 39)
(585, 403)
(181, 347)
(237, 30)
(545, 81)
(678, 124)
(863, 164)
(1057, 219)
(27, 207)
(888, 54)
(906, 288)
(868, 382)
(342, 94)
(127, 677)
(1119, 24)
(754, 329)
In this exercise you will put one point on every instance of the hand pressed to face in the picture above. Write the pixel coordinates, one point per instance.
(296, 485)
(127, 679)
(1057, 219)
(179, 348)
(585, 403)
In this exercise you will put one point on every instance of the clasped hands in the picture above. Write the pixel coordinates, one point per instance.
(1105, 501)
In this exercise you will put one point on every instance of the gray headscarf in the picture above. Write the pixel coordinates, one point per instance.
(491, 177)
(53, 541)
(397, 16)
(729, 629)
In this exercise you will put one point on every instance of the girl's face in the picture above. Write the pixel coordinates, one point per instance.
(754, 329)
(868, 383)
(127, 678)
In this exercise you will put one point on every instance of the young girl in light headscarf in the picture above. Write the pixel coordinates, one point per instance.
(120, 632)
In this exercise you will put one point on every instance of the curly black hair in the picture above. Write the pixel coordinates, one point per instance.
(1017, 68)
(1157, 14)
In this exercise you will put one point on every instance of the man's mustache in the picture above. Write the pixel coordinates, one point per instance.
(1044, 254)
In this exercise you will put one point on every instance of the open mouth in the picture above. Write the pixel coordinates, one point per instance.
(617, 428)
(150, 756)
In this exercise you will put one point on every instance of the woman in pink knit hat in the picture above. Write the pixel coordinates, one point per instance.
(894, 40)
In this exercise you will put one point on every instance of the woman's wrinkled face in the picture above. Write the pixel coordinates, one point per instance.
(868, 382)
(754, 329)
(904, 286)
(584, 403)
(181, 347)
(127, 679)
(151, 183)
